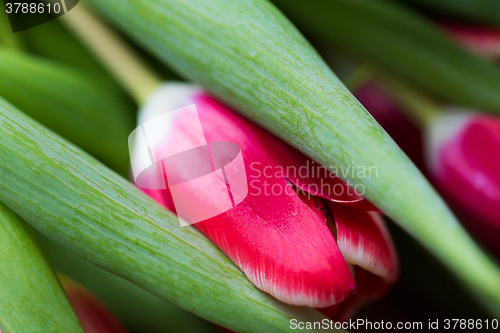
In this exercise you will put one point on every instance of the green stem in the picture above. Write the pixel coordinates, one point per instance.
(139, 310)
(113, 52)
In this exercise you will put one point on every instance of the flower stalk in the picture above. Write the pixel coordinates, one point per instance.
(113, 52)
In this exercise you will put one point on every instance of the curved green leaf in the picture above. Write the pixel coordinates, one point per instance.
(31, 297)
(404, 43)
(249, 55)
(74, 200)
(81, 109)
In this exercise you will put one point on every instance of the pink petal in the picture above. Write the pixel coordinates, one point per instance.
(298, 168)
(282, 246)
(369, 287)
(467, 171)
(284, 249)
(364, 240)
(484, 41)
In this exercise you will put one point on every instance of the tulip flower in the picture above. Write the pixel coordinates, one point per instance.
(301, 234)
(464, 162)
(94, 316)
(461, 149)
(484, 41)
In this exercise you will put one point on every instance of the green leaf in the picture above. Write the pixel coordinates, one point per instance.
(32, 299)
(480, 11)
(139, 310)
(404, 43)
(77, 202)
(75, 105)
(250, 56)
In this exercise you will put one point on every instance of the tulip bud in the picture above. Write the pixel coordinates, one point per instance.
(299, 229)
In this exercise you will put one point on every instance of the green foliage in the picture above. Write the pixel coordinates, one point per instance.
(82, 205)
(404, 43)
(250, 56)
(479, 11)
(32, 299)
(82, 109)
(139, 310)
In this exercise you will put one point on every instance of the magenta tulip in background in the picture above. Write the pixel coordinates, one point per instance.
(462, 158)
(465, 164)
(484, 41)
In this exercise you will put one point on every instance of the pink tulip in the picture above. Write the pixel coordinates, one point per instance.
(484, 41)
(465, 164)
(94, 316)
(461, 157)
(301, 234)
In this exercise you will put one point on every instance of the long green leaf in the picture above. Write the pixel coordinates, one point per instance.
(480, 11)
(404, 43)
(249, 55)
(73, 199)
(31, 297)
(80, 108)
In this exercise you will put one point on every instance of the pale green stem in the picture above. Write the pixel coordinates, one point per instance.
(113, 52)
